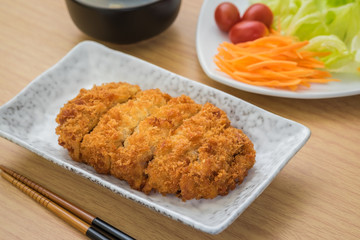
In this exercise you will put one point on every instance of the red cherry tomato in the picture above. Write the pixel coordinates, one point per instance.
(259, 12)
(226, 15)
(247, 31)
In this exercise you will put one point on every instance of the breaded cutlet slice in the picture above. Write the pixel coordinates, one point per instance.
(179, 150)
(116, 125)
(130, 162)
(81, 114)
(223, 162)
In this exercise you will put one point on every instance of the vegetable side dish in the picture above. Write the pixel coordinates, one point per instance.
(307, 42)
(155, 142)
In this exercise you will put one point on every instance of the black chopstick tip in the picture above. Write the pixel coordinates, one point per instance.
(97, 222)
(95, 235)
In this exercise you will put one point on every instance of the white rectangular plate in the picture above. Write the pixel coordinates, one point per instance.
(29, 121)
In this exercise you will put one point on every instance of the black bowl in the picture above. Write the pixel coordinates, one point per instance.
(124, 25)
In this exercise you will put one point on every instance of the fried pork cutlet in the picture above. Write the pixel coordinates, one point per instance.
(116, 125)
(182, 148)
(130, 162)
(223, 162)
(155, 142)
(81, 114)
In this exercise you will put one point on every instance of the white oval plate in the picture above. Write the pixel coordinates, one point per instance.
(29, 121)
(208, 38)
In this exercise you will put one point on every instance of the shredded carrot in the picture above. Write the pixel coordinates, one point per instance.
(274, 61)
(269, 63)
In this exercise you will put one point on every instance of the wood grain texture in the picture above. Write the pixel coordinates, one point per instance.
(68, 217)
(316, 196)
(81, 213)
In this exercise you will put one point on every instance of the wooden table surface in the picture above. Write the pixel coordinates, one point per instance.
(316, 196)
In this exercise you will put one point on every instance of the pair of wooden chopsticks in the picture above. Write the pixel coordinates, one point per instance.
(83, 221)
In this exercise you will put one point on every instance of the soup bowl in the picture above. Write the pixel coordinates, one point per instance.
(123, 21)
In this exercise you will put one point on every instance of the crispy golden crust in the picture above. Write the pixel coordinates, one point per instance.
(116, 125)
(130, 162)
(81, 114)
(179, 150)
(223, 161)
(155, 142)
